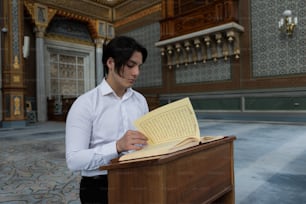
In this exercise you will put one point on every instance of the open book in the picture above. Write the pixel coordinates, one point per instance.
(169, 128)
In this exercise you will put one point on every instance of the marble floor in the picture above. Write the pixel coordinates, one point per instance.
(270, 160)
(32, 166)
(270, 163)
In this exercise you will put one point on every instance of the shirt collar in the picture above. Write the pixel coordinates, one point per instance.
(106, 89)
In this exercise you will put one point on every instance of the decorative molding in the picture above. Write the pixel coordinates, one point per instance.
(82, 7)
(16, 79)
(67, 39)
(208, 44)
(30, 8)
(41, 15)
(99, 42)
(16, 64)
(72, 15)
(40, 31)
(101, 29)
(13, 105)
(34, 9)
(17, 105)
(49, 13)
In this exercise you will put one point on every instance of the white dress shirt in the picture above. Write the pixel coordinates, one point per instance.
(96, 120)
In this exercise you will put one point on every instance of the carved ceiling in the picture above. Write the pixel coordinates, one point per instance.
(127, 14)
(106, 10)
(101, 15)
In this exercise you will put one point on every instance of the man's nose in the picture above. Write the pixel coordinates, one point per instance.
(136, 71)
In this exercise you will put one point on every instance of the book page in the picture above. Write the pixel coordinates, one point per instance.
(155, 150)
(150, 150)
(205, 139)
(173, 121)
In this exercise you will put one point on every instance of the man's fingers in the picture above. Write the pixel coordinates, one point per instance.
(139, 141)
(133, 140)
(137, 135)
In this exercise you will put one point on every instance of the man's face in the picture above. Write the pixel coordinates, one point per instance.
(130, 71)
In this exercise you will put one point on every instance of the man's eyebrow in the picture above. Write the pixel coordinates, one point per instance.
(135, 63)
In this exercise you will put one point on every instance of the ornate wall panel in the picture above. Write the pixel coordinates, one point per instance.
(182, 17)
(86, 8)
(273, 53)
(12, 68)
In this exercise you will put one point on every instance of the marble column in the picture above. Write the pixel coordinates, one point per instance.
(41, 97)
(99, 64)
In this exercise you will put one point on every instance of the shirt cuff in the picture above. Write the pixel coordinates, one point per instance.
(110, 150)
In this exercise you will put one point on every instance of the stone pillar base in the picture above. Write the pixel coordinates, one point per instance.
(13, 124)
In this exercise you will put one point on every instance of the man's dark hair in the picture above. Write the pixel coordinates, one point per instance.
(121, 49)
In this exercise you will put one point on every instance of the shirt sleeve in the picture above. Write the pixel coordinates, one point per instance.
(79, 155)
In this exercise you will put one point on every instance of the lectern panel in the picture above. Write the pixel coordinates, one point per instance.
(201, 174)
(199, 177)
(137, 184)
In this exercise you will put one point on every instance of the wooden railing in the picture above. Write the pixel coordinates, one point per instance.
(185, 16)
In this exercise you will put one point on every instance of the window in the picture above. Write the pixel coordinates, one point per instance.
(66, 75)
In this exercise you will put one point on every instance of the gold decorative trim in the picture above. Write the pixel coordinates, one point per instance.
(66, 39)
(51, 14)
(17, 105)
(16, 64)
(82, 7)
(30, 8)
(40, 31)
(16, 79)
(73, 16)
(41, 15)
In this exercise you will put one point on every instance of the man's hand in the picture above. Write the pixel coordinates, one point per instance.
(131, 140)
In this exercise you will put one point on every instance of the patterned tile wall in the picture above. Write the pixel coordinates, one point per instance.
(15, 28)
(151, 73)
(200, 72)
(275, 54)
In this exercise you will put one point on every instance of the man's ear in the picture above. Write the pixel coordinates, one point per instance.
(110, 63)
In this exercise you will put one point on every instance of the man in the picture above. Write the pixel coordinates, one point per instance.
(99, 125)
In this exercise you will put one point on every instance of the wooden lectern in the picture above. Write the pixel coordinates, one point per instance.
(201, 174)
